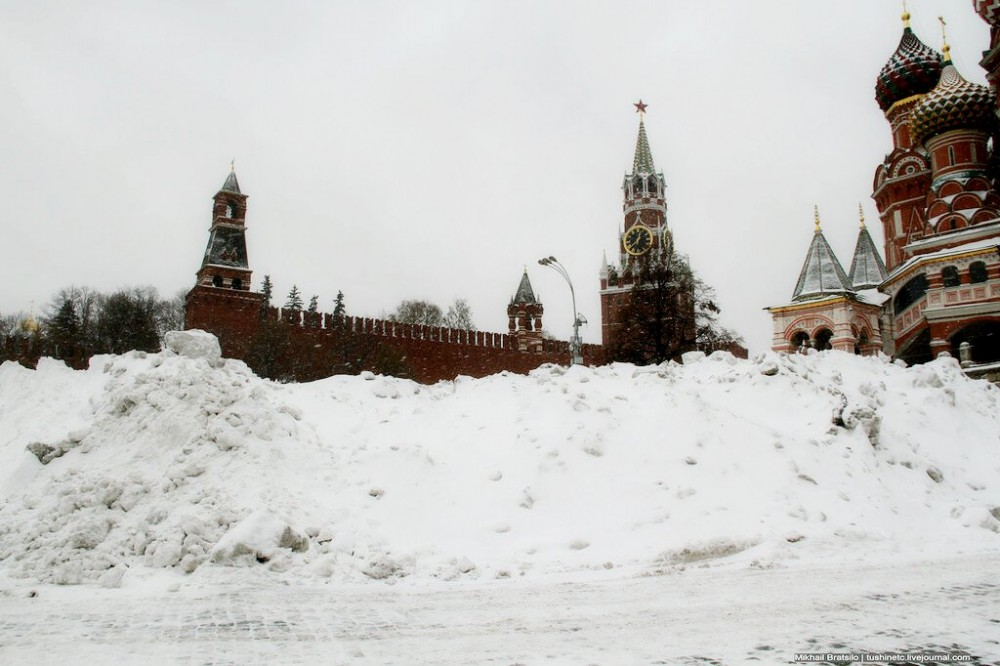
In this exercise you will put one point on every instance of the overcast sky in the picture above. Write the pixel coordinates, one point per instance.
(433, 150)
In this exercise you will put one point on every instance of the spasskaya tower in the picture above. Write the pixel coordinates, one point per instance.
(644, 231)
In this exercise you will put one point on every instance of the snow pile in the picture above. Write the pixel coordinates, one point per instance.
(166, 461)
(195, 343)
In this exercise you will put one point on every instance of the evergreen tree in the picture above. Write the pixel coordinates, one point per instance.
(339, 309)
(128, 319)
(670, 311)
(87, 304)
(63, 330)
(314, 303)
(710, 335)
(658, 323)
(294, 300)
(270, 352)
(267, 289)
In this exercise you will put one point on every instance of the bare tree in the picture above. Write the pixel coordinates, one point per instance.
(10, 324)
(170, 313)
(418, 312)
(459, 315)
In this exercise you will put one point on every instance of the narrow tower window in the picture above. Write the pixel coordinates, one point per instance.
(949, 275)
(977, 271)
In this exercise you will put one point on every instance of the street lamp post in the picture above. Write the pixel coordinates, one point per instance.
(575, 346)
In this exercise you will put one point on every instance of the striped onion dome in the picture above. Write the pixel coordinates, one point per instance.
(953, 104)
(989, 10)
(913, 69)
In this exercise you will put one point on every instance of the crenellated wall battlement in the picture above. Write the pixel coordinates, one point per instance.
(317, 341)
(385, 328)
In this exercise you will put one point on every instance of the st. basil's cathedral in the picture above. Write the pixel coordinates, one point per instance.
(938, 289)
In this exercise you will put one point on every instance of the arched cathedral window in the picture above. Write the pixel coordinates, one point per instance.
(977, 271)
(949, 275)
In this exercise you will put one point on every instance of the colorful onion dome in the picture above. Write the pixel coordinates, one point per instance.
(953, 104)
(913, 69)
(989, 10)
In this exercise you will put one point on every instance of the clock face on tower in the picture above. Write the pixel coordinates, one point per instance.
(638, 240)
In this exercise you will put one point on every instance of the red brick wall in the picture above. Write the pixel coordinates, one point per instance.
(431, 353)
(229, 314)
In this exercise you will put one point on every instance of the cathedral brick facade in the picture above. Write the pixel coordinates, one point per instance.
(939, 205)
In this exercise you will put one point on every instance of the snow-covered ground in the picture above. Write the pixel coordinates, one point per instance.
(720, 509)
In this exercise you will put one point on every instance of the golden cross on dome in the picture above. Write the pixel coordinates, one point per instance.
(944, 38)
(640, 108)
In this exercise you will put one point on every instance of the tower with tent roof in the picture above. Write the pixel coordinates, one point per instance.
(524, 313)
(643, 234)
(832, 309)
(222, 301)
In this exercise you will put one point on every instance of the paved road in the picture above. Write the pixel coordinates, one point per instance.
(697, 617)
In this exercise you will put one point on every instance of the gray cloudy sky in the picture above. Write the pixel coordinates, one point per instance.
(432, 150)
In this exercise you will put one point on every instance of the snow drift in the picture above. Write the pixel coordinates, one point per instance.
(184, 461)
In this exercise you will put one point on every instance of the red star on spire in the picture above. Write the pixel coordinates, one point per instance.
(640, 107)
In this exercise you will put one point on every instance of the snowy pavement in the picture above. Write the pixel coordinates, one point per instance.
(692, 616)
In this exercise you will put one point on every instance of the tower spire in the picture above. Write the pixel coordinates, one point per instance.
(643, 160)
(231, 184)
(821, 273)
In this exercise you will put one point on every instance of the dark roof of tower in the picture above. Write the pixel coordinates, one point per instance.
(231, 184)
(524, 292)
(821, 272)
(867, 268)
(913, 69)
(643, 160)
(954, 103)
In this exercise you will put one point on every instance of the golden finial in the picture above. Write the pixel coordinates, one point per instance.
(861, 215)
(30, 324)
(232, 165)
(906, 16)
(945, 49)
(816, 216)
